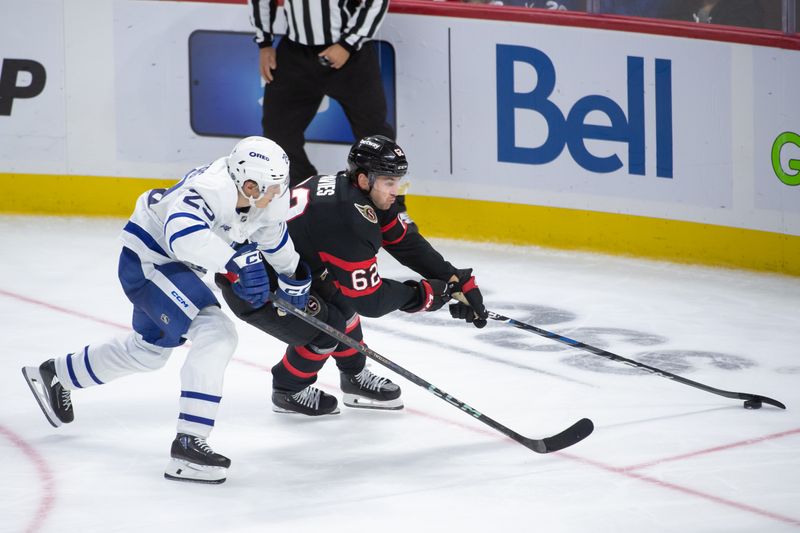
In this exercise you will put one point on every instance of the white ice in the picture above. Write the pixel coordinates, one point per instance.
(664, 457)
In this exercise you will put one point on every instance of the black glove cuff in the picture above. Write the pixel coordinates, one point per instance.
(423, 296)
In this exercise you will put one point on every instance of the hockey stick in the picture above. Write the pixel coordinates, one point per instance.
(751, 401)
(572, 435)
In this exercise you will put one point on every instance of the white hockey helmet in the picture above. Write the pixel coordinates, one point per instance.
(260, 160)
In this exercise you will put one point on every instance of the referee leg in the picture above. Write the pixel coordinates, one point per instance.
(290, 103)
(358, 88)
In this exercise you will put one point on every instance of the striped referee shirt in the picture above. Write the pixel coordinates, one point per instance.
(320, 22)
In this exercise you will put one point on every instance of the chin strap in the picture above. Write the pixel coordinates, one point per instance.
(252, 201)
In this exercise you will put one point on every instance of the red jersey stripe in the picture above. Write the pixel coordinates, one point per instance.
(390, 225)
(347, 265)
(355, 293)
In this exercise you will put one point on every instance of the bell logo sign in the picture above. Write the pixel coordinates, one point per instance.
(627, 126)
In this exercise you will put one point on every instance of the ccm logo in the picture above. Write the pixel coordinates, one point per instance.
(180, 299)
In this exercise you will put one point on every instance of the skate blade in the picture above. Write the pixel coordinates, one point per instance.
(283, 411)
(34, 380)
(181, 470)
(360, 402)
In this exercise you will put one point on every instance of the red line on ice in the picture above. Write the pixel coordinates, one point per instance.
(45, 475)
(739, 444)
(625, 471)
(685, 490)
(64, 310)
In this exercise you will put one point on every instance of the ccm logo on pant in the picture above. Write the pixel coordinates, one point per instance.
(180, 299)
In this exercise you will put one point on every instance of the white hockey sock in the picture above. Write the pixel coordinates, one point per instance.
(96, 364)
(213, 336)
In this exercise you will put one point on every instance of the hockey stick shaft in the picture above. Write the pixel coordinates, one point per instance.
(572, 435)
(630, 362)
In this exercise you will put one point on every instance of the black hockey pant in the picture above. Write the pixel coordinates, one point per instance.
(300, 364)
(308, 347)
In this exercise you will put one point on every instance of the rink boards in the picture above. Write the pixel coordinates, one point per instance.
(546, 131)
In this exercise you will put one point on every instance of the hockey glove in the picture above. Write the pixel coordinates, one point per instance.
(467, 292)
(295, 291)
(432, 294)
(253, 283)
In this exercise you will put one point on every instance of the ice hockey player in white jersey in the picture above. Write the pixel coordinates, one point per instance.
(174, 236)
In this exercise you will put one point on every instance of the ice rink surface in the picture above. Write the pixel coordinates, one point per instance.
(664, 457)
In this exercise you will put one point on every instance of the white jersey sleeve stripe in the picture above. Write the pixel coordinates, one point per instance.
(284, 240)
(146, 238)
(184, 232)
(182, 215)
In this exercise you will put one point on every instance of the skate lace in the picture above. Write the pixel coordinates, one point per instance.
(308, 397)
(203, 445)
(370, 381)
(66, 399)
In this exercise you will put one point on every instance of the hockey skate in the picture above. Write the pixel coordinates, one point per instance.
(194, 460)
(310, 401)
(54, 400)
(365, 390)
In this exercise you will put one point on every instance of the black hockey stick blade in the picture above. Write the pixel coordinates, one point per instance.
(752, 401)
(572, 435)
(746, 396)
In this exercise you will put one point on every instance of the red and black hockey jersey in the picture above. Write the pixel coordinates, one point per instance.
(335, 226)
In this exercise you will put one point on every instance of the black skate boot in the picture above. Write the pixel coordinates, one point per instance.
(194, 460)
(368, 391)
(310, 401)
(54, 400)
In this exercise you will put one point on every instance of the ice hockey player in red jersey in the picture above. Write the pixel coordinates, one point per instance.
(338, 224)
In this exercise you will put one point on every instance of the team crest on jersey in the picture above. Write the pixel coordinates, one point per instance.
(313, 306)
(226, 227)
(367, 212)
(164, 318)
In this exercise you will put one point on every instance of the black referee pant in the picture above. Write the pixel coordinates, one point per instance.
(299, 84)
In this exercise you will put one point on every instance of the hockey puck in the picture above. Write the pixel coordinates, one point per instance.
(752, 404)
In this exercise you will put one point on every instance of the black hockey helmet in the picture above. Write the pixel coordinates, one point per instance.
(376, 155)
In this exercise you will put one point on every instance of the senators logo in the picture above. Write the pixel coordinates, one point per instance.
(313, 305)
(367, 212)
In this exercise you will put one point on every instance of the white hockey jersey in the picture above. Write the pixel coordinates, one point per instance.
(196, 221)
